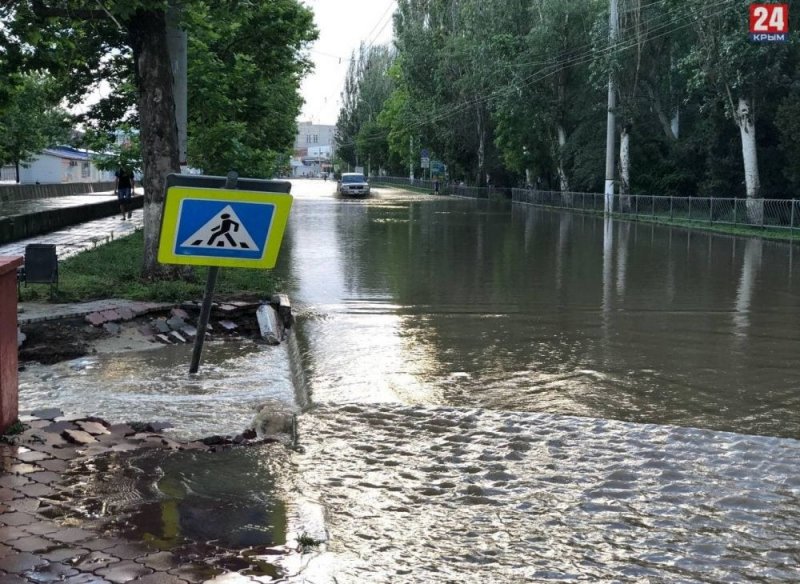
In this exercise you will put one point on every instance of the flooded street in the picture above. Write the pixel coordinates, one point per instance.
(489, 394)
(446, 346)
(420, 300)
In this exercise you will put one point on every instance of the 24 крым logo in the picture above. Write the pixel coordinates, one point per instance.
(769, 23)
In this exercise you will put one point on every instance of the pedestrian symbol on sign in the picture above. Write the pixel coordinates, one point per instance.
(223, 231)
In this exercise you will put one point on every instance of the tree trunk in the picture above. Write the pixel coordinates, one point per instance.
(158, 130)
(747, 128)
(562, 174)
(481, 149)
(625, 160)
(675, 123)
(16, 167)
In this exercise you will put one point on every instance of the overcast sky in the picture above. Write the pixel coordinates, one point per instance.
(342, 25)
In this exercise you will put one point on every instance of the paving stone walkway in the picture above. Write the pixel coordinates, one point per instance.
(29, 312)
(41, 541)
(78, 238)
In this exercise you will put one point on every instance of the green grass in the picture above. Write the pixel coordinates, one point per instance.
(741, 230)
(113, 271)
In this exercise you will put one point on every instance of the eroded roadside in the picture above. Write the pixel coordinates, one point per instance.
(87, 500)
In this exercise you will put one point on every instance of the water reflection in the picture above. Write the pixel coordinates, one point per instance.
(476, 303)
(477, 312)
(744, 293)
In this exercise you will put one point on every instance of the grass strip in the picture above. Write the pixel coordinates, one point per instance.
(113, 271)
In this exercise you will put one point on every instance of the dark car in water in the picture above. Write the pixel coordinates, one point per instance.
(352, 183)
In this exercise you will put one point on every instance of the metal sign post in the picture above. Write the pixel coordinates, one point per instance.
(221, 222)
(205, 311)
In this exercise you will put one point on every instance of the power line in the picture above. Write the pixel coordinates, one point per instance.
(554, 67)
(386, 12)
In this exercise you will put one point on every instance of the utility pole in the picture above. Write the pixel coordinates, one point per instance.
(411, 158)
(176, 44)
(613, 25)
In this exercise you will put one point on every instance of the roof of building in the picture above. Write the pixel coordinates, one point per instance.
(68, 152)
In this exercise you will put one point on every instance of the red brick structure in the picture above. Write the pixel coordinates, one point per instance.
(9, 397)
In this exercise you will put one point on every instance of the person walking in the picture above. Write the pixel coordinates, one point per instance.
(123, 188)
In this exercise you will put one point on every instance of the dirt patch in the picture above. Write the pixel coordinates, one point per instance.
(50, 342)
(60, 340)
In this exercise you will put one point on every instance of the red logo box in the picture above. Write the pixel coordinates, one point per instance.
(769, 22)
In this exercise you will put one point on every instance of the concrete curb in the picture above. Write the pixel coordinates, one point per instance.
(32, 312)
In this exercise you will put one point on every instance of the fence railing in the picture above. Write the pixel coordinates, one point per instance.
(761, 213)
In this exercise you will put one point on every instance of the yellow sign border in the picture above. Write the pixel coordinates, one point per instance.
(169, 226)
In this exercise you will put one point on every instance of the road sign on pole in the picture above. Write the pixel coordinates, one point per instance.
(208, 222)
(223, 227)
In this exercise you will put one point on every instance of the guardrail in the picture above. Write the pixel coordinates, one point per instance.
(752, 213)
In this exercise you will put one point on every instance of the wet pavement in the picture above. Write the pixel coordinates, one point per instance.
(67, 485)
(30, 312)
(78, 238)
(25, 207)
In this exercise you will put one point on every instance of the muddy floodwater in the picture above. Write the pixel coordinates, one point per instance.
(497, 394)
(237, 379)
(510, 394)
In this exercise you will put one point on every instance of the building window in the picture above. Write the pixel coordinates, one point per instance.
(85, 171)
(308, 138)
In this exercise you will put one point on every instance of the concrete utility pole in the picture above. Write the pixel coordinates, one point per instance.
(176, 43)
(613, 26)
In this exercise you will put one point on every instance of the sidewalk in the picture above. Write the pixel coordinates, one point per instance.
(47, 538)
(78, 238)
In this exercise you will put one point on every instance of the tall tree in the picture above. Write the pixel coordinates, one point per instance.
(724, 65)
(368, 85)
(244, 82)
(31, 119)
(85, 42)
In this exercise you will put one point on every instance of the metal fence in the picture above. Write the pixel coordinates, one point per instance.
(761, 213)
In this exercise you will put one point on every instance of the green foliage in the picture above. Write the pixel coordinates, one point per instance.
(360, 137)
(111, 153)
(31, 119)
(517, 90)
(245, 66)
(244, 75)
(113, 270)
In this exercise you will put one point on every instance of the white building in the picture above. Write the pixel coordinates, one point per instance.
(60, 164)
(314, 148)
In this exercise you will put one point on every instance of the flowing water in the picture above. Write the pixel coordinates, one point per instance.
(501, 394)
(236, 380)
(498, 394)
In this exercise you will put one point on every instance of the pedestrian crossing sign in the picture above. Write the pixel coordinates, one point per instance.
(222, 227)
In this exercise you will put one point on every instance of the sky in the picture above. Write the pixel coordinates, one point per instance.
(342, 25)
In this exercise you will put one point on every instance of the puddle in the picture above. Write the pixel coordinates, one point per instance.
(228, 498)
